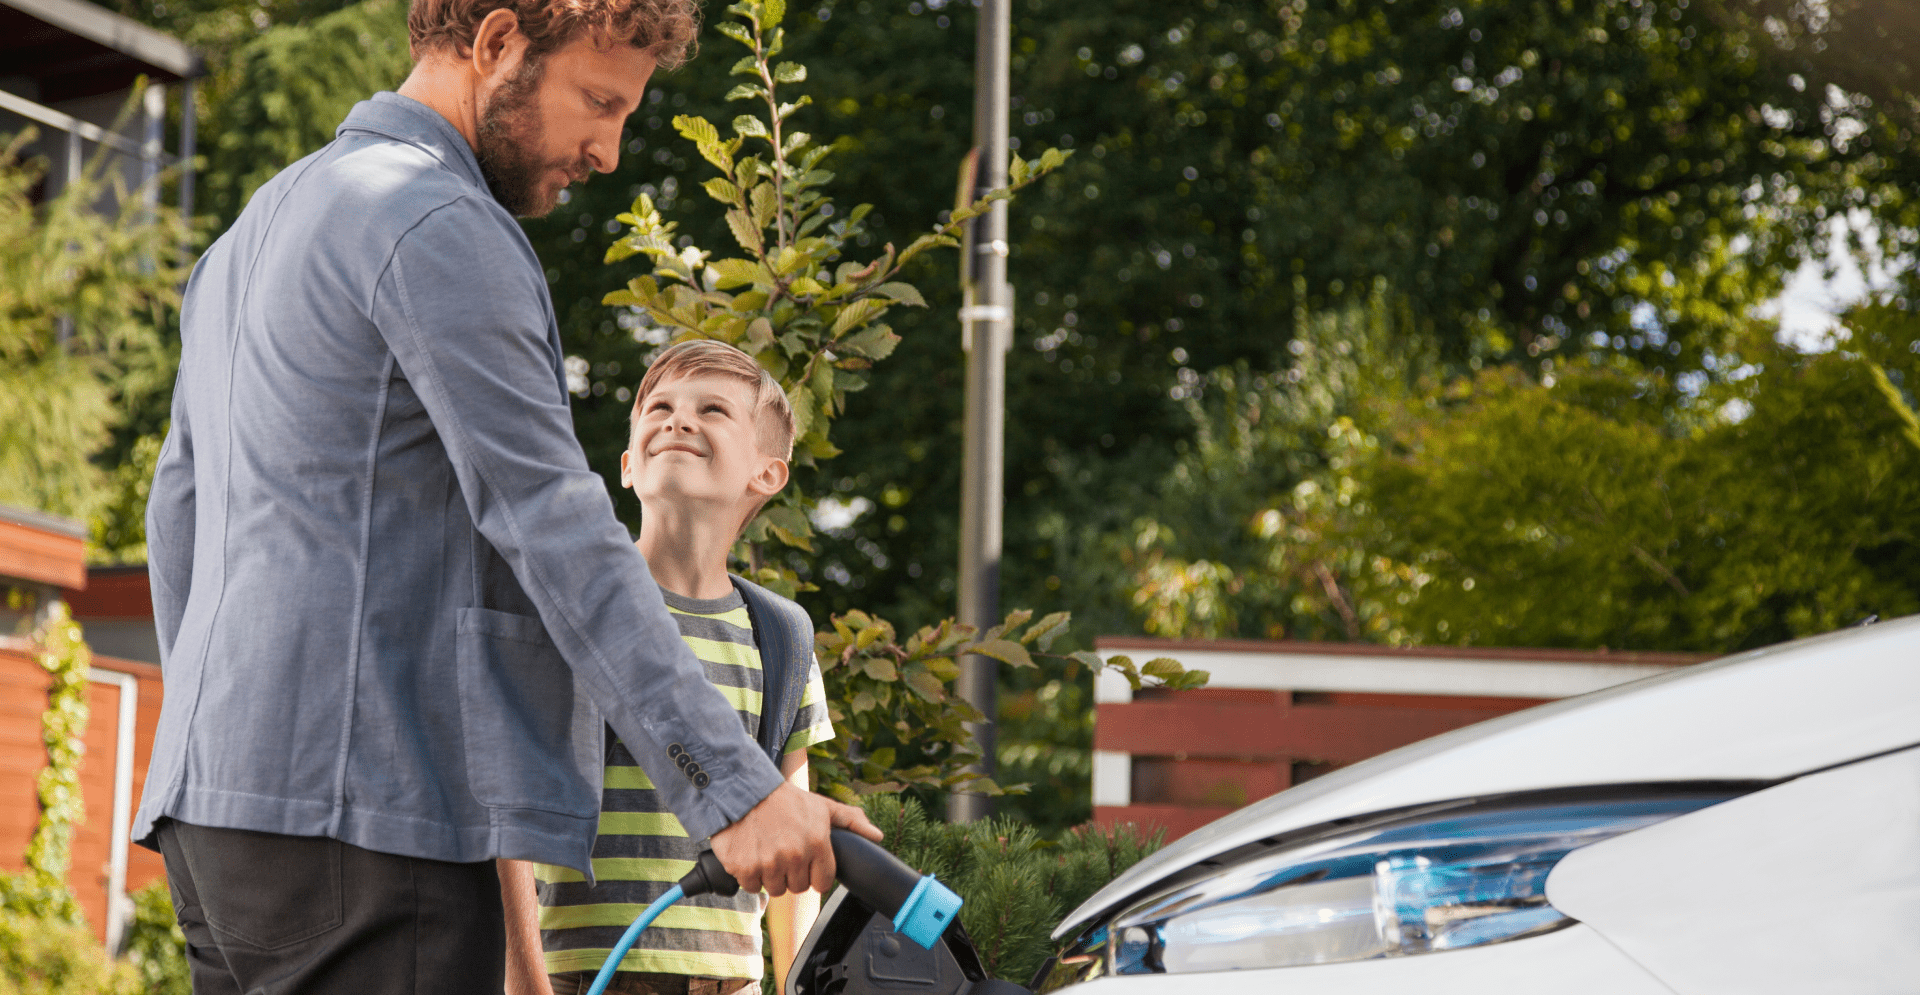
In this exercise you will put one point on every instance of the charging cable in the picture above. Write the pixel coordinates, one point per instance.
(921, 907)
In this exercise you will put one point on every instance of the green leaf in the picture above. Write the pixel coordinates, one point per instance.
(787, 109)
(904, 293)
(795, 139)
(1005, 651)
(765, 201)
(747, 66)
(719, 189)
(775, 12)
(1047, 630)
(737, 32)
(927, 686)
(1162, 667)
(805, 285)
(882, 758)
(786, 536)
(746, 91)
(924, 243)
(789, 259)
(759, 335)
(880, 669)
(730, 273)
(801, 401)
(695, 129)
(789, 72)
(748, 126)
(855, 314)
(871, 342)
(745, 232)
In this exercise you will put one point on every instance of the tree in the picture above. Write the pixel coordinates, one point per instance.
(281, 94)
(1599, 504)
(81, 295)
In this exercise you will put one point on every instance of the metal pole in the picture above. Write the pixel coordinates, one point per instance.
(986, 322)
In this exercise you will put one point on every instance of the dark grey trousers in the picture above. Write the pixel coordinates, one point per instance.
(266, 914)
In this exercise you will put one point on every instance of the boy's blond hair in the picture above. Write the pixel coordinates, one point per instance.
(772, 415)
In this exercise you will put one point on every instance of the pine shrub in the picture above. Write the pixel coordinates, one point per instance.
(1016, 883)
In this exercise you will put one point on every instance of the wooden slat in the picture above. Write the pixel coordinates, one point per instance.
(1337, 734)
(42, 556)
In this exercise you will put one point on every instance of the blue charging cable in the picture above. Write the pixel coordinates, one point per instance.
(921, 908)
(631, 936)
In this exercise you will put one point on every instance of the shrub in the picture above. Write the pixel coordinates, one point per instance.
(156, 948)
(51, 955)
(1016, 884)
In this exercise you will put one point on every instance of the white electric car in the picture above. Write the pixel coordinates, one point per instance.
(1748, 826)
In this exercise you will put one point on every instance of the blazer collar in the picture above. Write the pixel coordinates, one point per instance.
(408, 120)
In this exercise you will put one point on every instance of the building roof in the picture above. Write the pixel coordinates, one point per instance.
(71, 48)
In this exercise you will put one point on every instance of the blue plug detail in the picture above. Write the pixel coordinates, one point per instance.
(927, 912)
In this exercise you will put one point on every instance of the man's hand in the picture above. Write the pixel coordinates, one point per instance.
(782, 844)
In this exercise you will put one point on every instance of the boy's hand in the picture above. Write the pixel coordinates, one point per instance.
(782, 844)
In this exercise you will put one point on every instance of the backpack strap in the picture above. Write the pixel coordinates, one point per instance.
(784, 635)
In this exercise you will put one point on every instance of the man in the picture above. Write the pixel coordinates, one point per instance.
(393, 603)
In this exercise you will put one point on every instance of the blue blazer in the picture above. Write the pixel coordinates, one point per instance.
(394, 605)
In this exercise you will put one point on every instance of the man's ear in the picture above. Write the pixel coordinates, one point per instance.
(497, 43)
(772, 476)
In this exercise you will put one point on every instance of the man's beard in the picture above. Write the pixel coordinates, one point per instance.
(506, 143)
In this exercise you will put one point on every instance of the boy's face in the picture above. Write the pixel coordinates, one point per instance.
(696, 444)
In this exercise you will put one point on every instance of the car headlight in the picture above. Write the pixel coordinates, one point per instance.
(1467, 876)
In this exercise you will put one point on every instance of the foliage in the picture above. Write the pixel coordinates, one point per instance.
(897, 723)
(59, 648)
(81, 294)
(284, 92)
(1779, 505)
(814, 326)
(51, 956)
(1110, 342)
(1017, 884)
(1247, 536)
(45, 946)
(1886, 336)
(155, 946)
(1599, 504)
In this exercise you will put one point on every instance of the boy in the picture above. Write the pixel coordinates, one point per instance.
(711, 436)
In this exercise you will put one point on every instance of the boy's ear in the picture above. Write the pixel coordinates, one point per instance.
(626, 469)
(768, 482)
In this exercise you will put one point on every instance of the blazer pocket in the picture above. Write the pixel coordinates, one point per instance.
(532, 736)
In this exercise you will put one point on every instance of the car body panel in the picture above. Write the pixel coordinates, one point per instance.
(1571, 961)
(1730, 900)
(1765, 715)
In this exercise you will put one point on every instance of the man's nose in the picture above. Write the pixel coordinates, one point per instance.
(603, 149)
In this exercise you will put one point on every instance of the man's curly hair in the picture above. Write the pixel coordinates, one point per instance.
(664, 29)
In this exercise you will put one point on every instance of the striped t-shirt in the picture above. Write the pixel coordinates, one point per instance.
(642, 849)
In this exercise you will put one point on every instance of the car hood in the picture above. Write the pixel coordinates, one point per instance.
(1764, 715)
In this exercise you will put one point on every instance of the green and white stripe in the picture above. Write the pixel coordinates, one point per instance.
(643, 850)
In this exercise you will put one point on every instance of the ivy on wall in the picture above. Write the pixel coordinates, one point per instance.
(61, 649)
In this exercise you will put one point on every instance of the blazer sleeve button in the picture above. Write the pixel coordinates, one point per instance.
(701, 780)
